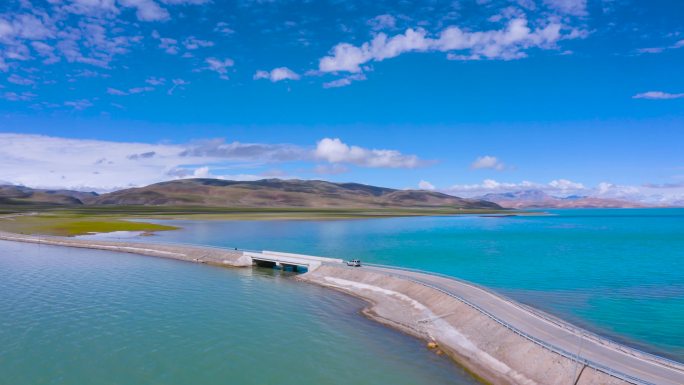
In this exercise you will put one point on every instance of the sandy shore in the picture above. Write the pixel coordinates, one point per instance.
(475, 337)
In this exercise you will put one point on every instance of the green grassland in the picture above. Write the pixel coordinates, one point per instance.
(78, 220)
(68, 224)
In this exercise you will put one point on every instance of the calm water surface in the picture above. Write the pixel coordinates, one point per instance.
(76, 316)
(616, 272)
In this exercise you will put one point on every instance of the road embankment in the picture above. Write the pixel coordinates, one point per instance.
(519, 347)
(198, 254)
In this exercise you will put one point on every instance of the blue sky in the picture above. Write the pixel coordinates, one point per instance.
(468, 97)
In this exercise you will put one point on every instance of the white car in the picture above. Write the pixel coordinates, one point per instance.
(354, 262)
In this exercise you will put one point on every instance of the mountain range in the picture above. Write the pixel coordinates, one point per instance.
(528, 199)
(278, 193)
(266, 193)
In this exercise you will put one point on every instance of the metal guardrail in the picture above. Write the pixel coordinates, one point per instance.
(547, 317)
(555, 349)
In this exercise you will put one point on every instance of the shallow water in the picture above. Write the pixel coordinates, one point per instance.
(616, 272)
(77, 316)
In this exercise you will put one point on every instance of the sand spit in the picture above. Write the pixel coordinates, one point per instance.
(182, 252)
(497, 339)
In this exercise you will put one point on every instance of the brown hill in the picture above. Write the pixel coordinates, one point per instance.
(13, 195)
(283, 193)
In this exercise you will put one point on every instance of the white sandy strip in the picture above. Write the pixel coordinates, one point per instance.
(134, 249)
(446, 332)
(362, 286)
(90, 245)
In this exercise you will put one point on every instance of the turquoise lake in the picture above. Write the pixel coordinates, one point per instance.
(72, 316)
(619, 272)
(77, 316)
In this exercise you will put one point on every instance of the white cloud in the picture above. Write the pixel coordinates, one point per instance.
(668, 194)
(79, 105)
(335, 151)
(20, 80)
(570, 7)
(487, 186)
(90, 32)
(566, 185)
(487, 162)
(507, 44)
(155, 81)
(177, 84)
(277, 74)
(130, 91)
(425, 185)
(381, 22)
(16, 97)
(116, 92)
(657, 95)
(345, 81)
(193, 43)
(53, 162)
(223, 28)
(219, 66)
(146, 10)
(676, 45)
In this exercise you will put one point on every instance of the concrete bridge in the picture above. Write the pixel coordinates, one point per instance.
(288, 261)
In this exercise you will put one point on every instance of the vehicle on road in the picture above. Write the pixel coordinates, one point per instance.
(354, 262)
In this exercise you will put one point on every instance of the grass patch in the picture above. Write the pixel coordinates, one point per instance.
(71, 225)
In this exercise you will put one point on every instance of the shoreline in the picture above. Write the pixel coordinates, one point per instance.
(426, 307)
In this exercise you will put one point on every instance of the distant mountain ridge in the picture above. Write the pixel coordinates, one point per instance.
(10, 194)
(527, 199)
(283, 193)
(265, 193)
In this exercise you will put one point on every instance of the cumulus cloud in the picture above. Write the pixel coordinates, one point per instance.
(425, 185)
(193, 43)
(381, 22)
(657, 95)
(487, 161)
(506, 44)
(277, 74)
(220, 66)
(566, 185)
(91, 32)
(146, 10)
(336, 151)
